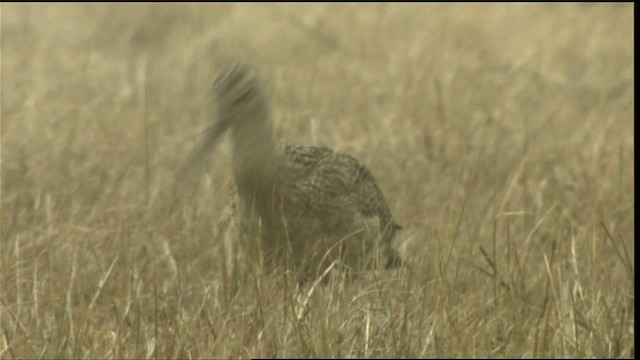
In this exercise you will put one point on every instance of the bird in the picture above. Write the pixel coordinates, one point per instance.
(298, 206)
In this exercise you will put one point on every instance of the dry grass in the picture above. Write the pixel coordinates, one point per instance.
(501, 135)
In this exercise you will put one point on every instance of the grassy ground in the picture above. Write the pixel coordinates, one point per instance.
(501, 136)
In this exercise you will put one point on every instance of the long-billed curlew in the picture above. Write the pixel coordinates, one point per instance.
(304, 206)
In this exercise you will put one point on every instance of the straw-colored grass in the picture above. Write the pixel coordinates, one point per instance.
(501, 136)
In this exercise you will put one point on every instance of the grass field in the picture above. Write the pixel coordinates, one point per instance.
(501, 136)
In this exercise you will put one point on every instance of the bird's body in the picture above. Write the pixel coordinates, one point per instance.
(304, 206)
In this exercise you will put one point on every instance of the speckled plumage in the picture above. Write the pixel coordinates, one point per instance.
(304, 206)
